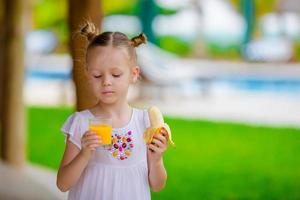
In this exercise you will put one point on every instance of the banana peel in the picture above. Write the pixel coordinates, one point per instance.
(156, 124)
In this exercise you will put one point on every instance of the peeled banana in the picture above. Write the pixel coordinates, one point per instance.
(156, 124)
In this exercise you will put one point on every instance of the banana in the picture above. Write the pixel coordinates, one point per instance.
(156, 124)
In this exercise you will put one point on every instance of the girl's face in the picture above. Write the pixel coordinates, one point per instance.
(110, 73)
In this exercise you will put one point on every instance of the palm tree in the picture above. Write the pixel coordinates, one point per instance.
(80, 11)
(11, 83)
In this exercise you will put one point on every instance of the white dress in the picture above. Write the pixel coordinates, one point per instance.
(118, 173)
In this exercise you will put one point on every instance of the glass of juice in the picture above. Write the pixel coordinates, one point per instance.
(103, 128)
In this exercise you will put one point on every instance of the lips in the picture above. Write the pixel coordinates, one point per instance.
(107, 92)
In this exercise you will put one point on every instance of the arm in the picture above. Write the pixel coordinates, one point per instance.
(157, 172)
(74, 160)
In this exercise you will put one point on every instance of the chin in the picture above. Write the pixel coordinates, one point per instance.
(108, 100)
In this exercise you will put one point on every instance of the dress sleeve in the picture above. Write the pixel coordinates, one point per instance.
(72, 127)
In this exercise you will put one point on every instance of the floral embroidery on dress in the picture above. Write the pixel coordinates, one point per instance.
(121, 145)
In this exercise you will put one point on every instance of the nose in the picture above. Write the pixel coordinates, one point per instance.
(106, 81)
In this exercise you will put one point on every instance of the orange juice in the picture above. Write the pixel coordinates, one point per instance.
(104, 131)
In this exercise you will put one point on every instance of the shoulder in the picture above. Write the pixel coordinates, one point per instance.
(75, 126)
(140, 112)
(76, 118)
(84, 113)
(75, 115)
(142, 116)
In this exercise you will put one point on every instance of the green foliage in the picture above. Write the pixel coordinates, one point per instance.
(230, 52)
(166, 11)
(213, 160)
(297, 51)
(266, 6)
(52, 15)
(129, 7)
(49, 13)
(261, 7)
(175, 45)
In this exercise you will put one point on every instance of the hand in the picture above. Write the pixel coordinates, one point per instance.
(158, 146)
(89, 142)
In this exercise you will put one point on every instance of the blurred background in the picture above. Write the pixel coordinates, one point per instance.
(225, 73)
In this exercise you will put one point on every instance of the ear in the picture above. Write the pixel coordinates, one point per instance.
(135, 73)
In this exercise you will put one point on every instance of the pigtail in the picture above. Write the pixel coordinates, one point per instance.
(89, 31)
(137, 40)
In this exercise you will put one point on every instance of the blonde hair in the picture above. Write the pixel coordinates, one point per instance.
(115, 39)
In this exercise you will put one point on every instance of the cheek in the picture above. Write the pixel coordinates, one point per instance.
(93, 82)
(95, 85)
(123, 83)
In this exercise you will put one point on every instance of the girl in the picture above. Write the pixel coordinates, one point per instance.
(129, 167)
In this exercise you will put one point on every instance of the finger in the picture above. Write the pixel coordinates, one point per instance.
(153, 148)
(88, 133)
(91, 148)
(157, 143)
(93, 145)
(84, 139)
(161, 138)
(91, 133)
(92, 136)
(96, 141)
(89, 142)
(164, 131)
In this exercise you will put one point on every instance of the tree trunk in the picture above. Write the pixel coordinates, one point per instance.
(78, 13)
(1, 61)
(1, 73)
(13, 126)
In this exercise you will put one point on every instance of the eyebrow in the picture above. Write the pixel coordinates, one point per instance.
(95, 71)
(116, 68)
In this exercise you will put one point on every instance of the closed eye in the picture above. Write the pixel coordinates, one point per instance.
(99, 76)
(116, 75)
